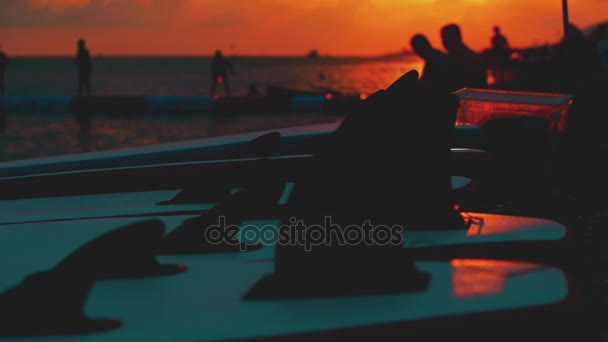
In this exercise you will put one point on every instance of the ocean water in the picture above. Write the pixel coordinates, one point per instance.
(191, 76)
(40, 134)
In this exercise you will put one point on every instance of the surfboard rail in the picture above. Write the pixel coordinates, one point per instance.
(168, 176)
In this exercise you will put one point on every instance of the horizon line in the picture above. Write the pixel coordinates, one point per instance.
(403, 52)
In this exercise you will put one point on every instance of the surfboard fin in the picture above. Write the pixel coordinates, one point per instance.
(50, 303)
(339, 271)
(266, 145)
(387, 165)
(217, 230)
(127, 252)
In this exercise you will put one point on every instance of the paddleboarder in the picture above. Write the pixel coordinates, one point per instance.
(219, 72)
(4, 60)
(85, 66)
(500, 52)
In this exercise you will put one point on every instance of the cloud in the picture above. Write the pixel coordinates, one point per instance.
(55, 5)
(84, 13)
(132, 13)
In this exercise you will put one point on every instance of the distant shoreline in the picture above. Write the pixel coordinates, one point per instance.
(321, 56)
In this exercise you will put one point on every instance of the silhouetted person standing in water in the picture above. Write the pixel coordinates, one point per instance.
(500, 53)
(85, 66)
(499, 41)
(466, 66)
(435, 72)
(3, 66)
(219, 72)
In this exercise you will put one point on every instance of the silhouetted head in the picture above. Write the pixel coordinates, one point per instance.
(451, 36)
(496, 29)
(421, 46)
(218, 53)
(81, 43)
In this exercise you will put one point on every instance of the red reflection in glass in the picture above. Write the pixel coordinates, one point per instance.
(475, 278)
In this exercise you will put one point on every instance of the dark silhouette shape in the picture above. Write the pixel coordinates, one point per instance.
(85, 67)
(217, 230)
(50, 303)
(4, 61)
(82, 116)
(84, 141)
(259, 196)
(532, 147)
(219, 72)
(499, 41)
(435, 72)
(3, 118)
(500, 53)
(577, 60)
(466, 66)
(397, 158)
(127, 252)
(266, 145)
(253, 91)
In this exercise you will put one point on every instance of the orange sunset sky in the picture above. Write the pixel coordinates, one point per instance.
(274, 27)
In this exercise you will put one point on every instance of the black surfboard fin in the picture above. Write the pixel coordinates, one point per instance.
(50, 303)
(339, 271)
(389, 146)
(127, 252)
(266, 145)
(217, 230)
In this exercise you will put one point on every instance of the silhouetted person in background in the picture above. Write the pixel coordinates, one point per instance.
(253, 90)
(219, 72)
(578, 60)
(499, 41)
(435, 72)
(500, 53)
(85, 66)
(466, 66)
(599, 38)
(4, 60)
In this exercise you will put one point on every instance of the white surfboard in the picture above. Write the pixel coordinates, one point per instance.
(205, 303)
(468, 163)
(294, 140)
(117, 204)
(212, 148)
(487, 235)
